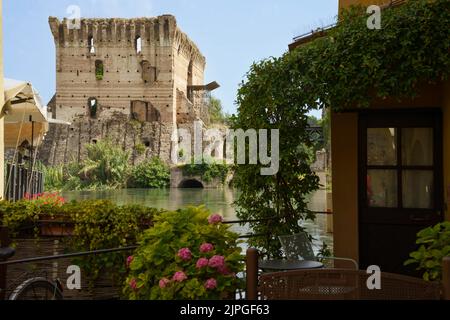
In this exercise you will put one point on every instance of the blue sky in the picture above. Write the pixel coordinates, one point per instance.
(232, 34)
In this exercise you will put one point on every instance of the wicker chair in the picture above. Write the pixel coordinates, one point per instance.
(339, 284)
(299, 247)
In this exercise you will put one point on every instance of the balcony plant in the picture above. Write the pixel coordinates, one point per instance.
(434, 246)
(188, 254)
(52, 221)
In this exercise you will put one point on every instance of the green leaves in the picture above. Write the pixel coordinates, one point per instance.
(347, 68)
(97, 225)
(208, 171)
(153, 173)
(158, 258)
(435, 245)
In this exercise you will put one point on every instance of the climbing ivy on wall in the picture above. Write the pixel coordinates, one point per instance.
(208, 171)
(346, 68)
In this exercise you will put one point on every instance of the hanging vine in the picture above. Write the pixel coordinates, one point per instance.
(347, 67)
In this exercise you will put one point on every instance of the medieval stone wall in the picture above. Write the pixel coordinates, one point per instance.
(122, 79)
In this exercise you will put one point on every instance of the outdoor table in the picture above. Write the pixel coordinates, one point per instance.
(285, 265)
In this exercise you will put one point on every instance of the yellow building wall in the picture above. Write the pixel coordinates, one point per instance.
(2, 101)
(344, 153)
(344, 141)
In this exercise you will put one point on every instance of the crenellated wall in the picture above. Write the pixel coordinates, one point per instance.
(102, 71)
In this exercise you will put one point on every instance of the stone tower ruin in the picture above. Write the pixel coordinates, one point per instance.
(133, 81)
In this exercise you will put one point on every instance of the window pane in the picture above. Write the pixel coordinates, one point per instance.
(417, 146)
(418, 189)
(382, 188)
(382, 146)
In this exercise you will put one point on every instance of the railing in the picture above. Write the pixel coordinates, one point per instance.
(21, 180)
(323, 30)
(248, 236)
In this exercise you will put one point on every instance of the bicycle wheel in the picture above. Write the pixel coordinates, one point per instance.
(37, 289)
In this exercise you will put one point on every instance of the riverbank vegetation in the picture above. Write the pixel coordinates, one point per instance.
(106, 166)
(207, 170)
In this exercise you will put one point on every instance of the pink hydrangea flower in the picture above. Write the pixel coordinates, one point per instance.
(215, 219)
(211, 284)
(217, 262)
(185, 254)
(129, 261)
(206, 247)
(202, 263)
(179, 276)
(224, 270)
(133, 284)
(163, 283)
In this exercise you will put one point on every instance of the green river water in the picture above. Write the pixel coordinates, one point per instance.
(217, 200)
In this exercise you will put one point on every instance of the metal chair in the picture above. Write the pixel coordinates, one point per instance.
(299, 247)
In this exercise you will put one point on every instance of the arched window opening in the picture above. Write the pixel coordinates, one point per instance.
(93, 107)
(138, 44)
(190, 82)
(91, 44)
(99, 69)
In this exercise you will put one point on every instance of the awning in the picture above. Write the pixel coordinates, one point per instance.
(25, 114)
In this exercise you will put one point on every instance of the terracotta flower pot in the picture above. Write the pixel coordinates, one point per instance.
(56, 226)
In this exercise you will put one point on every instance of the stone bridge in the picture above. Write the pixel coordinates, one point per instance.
(179, 180)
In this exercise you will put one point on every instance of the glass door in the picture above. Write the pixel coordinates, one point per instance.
(400, 173)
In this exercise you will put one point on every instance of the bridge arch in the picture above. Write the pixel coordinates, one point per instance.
(191, 184)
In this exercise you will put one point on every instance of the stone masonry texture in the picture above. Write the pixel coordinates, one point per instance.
(127, 80)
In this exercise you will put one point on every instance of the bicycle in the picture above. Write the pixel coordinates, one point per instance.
(34, 288)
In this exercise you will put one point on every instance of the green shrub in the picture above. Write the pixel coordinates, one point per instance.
(104, 225)
(140, 149)
(97, 225)
(54, 178)
(152, 173)
(185, 257)
(434, 247)
(106, 165)
(208, 171)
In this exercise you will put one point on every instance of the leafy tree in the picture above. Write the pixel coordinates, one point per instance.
(270, 100)
(217, 113)
(346, 68)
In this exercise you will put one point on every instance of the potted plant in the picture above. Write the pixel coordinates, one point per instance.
(49, 209)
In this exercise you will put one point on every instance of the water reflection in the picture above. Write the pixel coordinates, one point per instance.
(217, 200)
